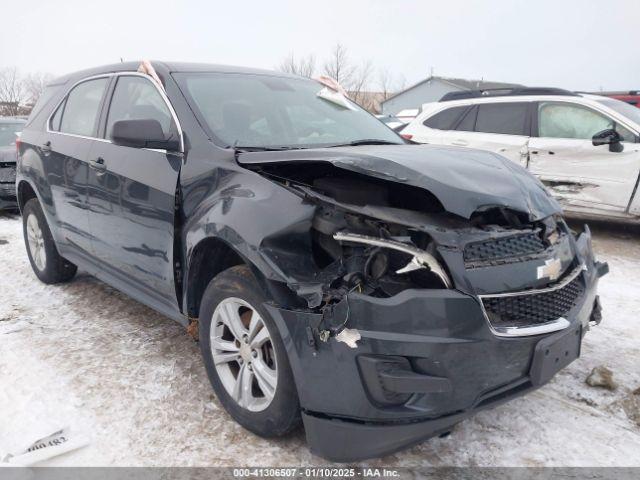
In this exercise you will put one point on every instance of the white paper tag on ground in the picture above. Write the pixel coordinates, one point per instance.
(57, 443)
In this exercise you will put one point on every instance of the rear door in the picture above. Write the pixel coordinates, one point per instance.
(579, 174)
(71, 132)
(500, 127)
(132, 195)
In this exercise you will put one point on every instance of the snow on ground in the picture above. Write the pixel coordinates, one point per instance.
(86, 356)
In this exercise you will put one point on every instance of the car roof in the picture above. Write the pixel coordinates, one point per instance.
(163, 67)
(509, 99)
(587, 99)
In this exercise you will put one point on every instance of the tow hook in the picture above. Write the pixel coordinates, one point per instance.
(602, 268)
(596, 313)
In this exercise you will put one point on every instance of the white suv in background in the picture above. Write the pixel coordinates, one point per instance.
(584, 148)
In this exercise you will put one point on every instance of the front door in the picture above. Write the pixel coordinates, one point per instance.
(132, 196)
(579, 174)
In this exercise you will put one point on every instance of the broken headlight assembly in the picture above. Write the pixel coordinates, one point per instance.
(372, 257)
(420, 259)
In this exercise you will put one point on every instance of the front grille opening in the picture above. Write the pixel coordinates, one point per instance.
(504, 248)
(521, 310)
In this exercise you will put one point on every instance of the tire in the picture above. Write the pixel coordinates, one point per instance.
(45, 260)
(277, 411)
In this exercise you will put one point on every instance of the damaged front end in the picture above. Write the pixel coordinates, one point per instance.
(421, 308)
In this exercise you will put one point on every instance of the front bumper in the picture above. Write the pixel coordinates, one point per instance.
(8, 187)
(425, 360)
(8, 199)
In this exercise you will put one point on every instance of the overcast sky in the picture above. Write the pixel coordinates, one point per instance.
(583, 45)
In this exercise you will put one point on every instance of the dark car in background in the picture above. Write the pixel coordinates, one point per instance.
(375, 291)
(10, 128)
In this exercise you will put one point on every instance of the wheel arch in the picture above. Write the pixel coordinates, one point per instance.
(210, 257)
(25, 193)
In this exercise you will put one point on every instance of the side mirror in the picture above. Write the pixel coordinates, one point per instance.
(142, 133)
(608, 137)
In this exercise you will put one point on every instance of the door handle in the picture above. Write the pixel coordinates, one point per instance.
(46, 146)
(98, 164)
(460, 143)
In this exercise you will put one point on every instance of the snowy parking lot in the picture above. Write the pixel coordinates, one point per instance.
(85, 356)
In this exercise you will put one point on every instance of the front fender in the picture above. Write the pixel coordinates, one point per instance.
(266, 224)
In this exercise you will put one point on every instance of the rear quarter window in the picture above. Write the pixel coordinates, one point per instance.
(445, 119)
(82, 108)
(44, 98)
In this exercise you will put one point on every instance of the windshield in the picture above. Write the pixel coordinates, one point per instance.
(624, 109)
(275, 112)
(9, 133)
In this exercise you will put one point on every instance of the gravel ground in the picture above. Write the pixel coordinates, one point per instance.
(86, 356)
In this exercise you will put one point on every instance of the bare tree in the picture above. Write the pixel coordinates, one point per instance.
(339, 67)
(34, 85)
(303, 66)
(388, 84)
(384, 83)
(356, 78)
(12, 91)
(359, 86)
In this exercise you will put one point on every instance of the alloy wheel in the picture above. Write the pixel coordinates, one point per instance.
(243, 354)
(35, 239)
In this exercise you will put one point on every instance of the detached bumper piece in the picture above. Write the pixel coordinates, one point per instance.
(344, 440)
(348, 441)
(427, 359)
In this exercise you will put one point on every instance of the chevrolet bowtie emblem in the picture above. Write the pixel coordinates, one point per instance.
(550, 269)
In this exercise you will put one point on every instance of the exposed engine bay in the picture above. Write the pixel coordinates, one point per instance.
(379, 237)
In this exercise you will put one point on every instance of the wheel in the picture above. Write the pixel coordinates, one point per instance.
(245, 357)
(45, 260)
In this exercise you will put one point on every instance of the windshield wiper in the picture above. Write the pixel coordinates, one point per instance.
(252, 148)
(365, 141)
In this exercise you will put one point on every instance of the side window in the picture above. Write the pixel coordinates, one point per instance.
(506, 118)
(563, 120)
(444, 119)
(468, 122)
(627, 135)
(136, 98)
(82, 108)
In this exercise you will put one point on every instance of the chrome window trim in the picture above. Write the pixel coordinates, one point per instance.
(64, 97)
(162, 93)
(553, 326)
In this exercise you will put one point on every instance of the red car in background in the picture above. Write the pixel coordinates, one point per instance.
(632, 97)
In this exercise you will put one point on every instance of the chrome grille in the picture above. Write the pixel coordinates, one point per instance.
(536, 307)
(7, 173)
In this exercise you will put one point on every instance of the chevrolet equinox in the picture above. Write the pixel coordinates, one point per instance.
(375, 291)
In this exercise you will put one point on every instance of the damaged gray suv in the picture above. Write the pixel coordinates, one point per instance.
(375, 291)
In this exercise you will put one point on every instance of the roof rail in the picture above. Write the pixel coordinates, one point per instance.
(505, 92)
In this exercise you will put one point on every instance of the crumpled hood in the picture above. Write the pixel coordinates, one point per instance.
(7, 154)
(463, 179)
